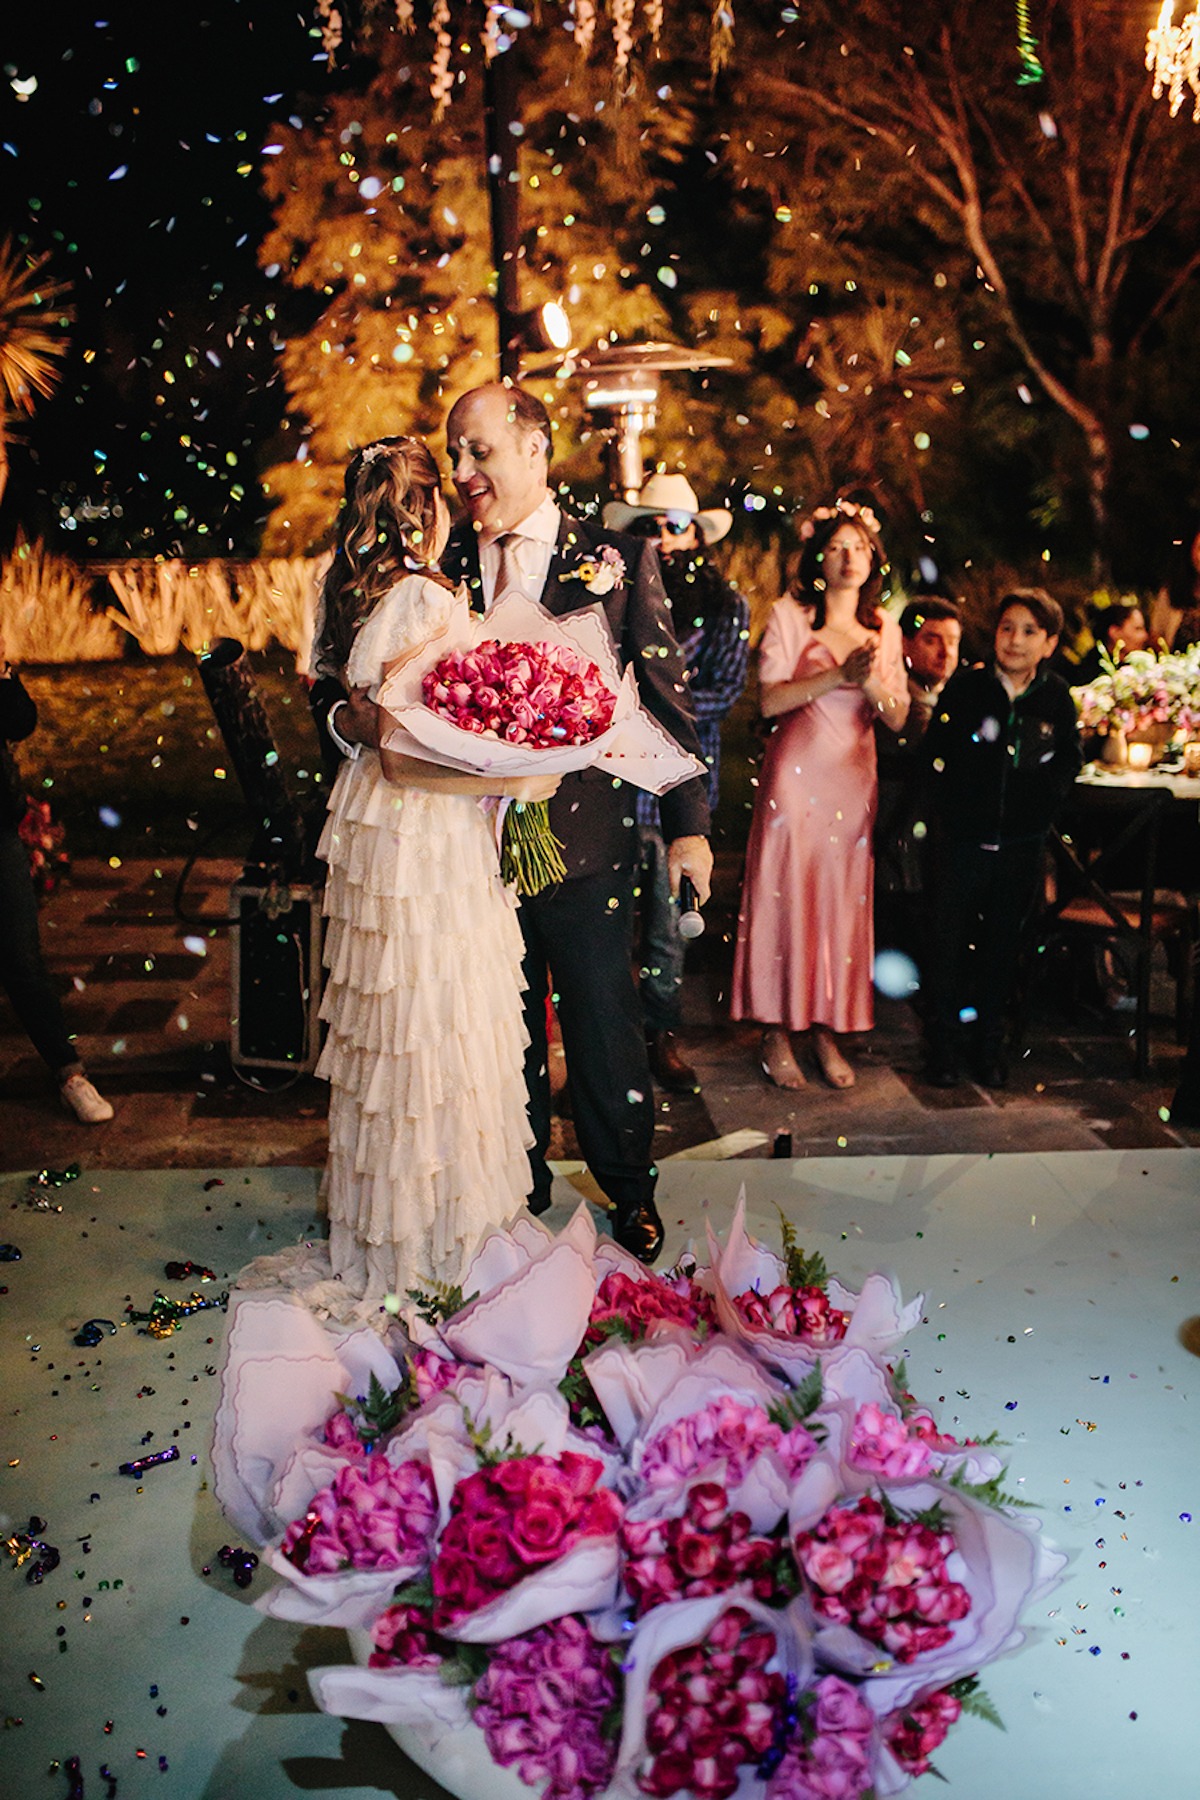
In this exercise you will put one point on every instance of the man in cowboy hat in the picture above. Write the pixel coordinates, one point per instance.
(711, 622)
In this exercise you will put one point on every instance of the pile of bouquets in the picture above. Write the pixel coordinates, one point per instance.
(682, 1534)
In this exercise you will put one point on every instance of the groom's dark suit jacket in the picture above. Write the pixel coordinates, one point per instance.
(591, 815)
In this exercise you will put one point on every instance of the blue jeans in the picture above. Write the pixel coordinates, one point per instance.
(22, 971)
(661, 971)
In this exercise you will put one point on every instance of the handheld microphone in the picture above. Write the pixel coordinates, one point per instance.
(691, 922)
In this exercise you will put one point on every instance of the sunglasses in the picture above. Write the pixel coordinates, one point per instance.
(676, 527)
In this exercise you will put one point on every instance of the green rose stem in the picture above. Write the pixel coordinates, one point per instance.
(530, 854)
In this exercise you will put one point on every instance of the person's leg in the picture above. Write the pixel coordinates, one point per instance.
(586, 927)
(958, 875)
(661, 971)
(22, 971)
(1006, 908)
(832, 1063)
(660, 974)
(537, 1053)
(778, 1059)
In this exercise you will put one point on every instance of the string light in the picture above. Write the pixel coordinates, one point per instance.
(1173, 55)
(1031, 69)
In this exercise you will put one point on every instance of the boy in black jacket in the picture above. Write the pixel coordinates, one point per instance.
(1001, 751)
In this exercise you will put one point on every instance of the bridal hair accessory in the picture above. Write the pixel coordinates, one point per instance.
(371, 451)
(845, 509)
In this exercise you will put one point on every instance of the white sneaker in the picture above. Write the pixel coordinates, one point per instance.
(81, 1098)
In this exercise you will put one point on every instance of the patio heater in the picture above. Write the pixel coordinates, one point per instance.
(621, 387)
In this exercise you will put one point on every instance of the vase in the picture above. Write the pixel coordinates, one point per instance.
(1113, 749)
(1154, 738)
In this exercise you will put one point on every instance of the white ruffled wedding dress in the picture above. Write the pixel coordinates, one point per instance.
(428, 1130)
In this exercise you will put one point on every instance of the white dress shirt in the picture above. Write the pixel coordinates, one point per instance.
(530, 547)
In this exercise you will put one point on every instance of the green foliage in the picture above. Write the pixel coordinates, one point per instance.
(973, 1700)
(466, 1665)
(490, 1453)
(903, 1398)
(377, 1413)
(577, 1389)
(932, 1517)
(440, 1301)
(802, 1271)
(400, 279)
(988, 1493)
(1039, 239)
(417, 1593)
(925, 277)
(800, 1404)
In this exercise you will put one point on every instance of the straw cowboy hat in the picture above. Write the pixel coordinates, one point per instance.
(674, 496)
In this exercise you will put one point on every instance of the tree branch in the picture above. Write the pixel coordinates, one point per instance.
(1164, 302)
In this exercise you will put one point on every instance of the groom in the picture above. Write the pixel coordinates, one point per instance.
(516, 537)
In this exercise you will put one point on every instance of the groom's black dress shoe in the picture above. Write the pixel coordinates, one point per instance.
(538, 1203)
(640, 1231)
(667, 1065)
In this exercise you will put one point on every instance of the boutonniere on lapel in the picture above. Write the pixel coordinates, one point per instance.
(600, 573)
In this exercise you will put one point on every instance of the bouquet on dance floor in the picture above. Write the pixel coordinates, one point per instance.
(633, 1534)
(523, 692)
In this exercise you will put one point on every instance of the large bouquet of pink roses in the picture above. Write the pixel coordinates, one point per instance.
(523, 693)
(541, 696)
(636, 1534)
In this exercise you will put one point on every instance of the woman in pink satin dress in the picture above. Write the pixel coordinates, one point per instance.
(830, 664)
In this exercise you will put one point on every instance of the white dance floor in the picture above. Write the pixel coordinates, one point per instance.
(1062, 1295)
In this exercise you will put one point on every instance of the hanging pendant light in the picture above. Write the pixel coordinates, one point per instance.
(1173, 57)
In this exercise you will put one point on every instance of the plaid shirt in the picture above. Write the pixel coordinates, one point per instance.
(717, 658)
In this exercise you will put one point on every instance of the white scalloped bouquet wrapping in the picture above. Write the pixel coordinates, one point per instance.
(635, 748)
(751, 1520)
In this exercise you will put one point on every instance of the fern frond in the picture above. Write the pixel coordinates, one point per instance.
(796, 1407)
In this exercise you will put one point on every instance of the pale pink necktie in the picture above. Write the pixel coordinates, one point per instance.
(508, 574)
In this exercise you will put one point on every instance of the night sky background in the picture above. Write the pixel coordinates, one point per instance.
(135, 162)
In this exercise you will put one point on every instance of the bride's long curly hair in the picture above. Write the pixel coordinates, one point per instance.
(386, 529)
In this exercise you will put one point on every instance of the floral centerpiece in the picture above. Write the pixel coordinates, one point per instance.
(615, 1533)
(525, 692)
(1146, 694)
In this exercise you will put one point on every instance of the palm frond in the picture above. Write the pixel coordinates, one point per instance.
(33, 314)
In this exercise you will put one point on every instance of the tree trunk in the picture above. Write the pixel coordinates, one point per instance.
(1099, 471)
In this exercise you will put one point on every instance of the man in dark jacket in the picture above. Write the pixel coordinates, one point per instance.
(1001, 752)
(516, 537)
(711, 622)
(22, 971)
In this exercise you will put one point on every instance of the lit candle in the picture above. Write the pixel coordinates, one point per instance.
(1140, 755)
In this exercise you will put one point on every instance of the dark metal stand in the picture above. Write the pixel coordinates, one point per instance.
(279, 840)
(499, 113)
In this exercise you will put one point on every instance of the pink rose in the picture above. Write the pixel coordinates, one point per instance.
(340, 1434)
(538, 1532)
(830, 1568)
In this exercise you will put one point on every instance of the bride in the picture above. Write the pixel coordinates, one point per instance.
(427, 1123)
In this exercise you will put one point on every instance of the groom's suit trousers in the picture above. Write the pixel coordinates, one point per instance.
(582, 931)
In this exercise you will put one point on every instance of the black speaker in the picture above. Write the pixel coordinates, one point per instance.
(275, 976)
